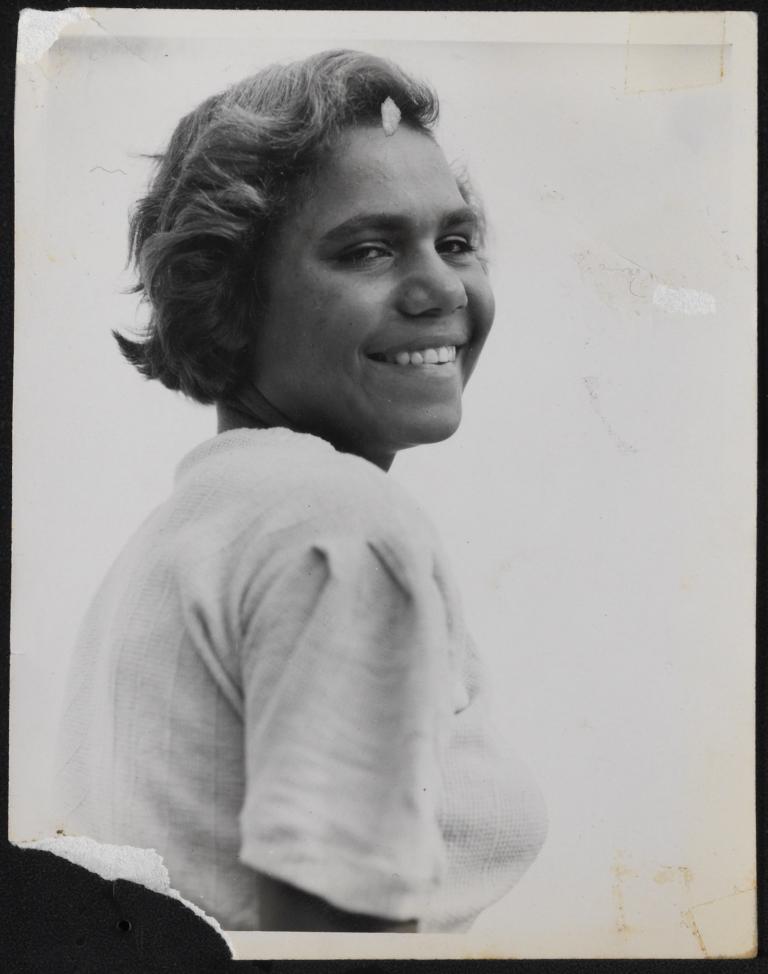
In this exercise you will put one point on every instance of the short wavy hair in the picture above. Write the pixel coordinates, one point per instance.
(199, 236)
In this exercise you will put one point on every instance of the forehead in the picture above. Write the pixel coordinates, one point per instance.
(405, 173)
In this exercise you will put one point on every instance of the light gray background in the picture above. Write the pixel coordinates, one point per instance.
(598, 499)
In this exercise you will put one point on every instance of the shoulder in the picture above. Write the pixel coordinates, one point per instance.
(348, 492)
(350, 502)
(272, 495)
(280, 474)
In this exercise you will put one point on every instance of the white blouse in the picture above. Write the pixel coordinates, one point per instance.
(275, 676)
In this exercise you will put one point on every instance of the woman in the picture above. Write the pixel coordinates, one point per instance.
(273, 686)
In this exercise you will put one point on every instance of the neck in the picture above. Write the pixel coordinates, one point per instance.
(250, 409)
(229, 417)
(232, 416)
(380, 459)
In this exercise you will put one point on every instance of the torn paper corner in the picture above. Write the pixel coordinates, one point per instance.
(142, 866)
(40, 29)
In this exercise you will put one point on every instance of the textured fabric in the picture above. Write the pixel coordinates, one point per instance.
(275, 676)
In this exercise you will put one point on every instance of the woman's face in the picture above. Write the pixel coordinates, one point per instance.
(378, 305)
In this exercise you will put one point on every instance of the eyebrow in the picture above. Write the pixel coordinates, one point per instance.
(396, 222)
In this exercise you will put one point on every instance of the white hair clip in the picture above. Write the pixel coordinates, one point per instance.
(390, 116)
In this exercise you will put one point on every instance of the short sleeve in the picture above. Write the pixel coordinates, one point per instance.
(345, 663)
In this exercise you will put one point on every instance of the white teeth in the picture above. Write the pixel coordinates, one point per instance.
(426, 356)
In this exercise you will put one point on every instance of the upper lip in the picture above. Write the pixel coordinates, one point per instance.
(419, 343)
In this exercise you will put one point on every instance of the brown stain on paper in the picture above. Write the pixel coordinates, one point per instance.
(669, 874)
(689, 921)
(681, 875)
(722, 51)
(621, 872)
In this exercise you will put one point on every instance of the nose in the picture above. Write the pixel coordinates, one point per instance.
(431, 287)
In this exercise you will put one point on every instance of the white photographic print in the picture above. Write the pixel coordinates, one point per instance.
(408, 670)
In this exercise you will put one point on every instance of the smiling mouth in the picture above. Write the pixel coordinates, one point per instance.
(443, 355)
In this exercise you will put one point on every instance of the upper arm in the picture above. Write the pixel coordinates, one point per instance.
(346, 696)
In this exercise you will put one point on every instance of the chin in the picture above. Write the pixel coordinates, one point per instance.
(435, 429)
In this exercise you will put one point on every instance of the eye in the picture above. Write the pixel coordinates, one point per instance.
(456, 245)
(363, 254)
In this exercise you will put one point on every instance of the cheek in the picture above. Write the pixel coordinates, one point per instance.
(319, 319)
(295, 323)
(345, 318)
(482, 306)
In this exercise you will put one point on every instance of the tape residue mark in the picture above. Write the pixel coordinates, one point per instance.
(674, 50)
(142, 866)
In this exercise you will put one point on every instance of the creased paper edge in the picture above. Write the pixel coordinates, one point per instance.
(40, 29)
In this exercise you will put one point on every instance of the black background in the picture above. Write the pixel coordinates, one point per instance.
(58, 917)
